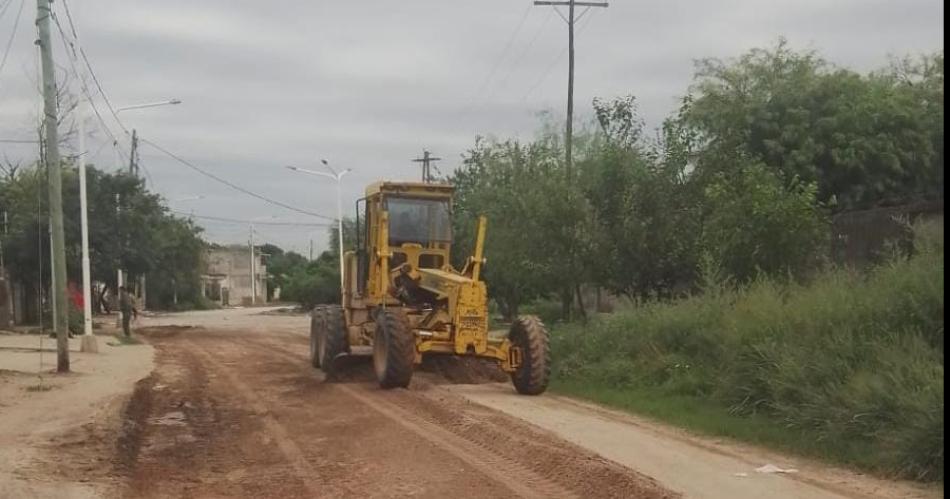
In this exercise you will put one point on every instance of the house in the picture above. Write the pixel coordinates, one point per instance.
(228, 279)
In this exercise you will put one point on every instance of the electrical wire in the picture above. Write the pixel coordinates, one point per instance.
(3, 9)
(247, 222)
(16, 22)
(231, 184)
(504, 52)
(92, 72)
(547, 72)
(69, 46)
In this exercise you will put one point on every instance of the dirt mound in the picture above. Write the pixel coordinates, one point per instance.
(462, 370)
(353, 369)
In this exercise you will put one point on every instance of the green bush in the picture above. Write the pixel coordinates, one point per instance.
(316, 283)
(848, 366)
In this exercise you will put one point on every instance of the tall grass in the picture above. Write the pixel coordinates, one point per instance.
(849, 366)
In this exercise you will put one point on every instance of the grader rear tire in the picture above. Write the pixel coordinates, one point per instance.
(394, 349)
(531, 337)
(335, 339)
(317, 335)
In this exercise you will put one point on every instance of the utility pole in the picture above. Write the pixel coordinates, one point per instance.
(133, 155)
(134, 171)
(118, 272)
(426, 161)
(250, 245)
(570, 19)
(43, 13)
(89, 343)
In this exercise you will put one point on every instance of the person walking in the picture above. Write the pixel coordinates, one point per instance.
(127, 307)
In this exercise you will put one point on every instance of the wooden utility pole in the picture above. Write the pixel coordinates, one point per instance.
(55, 184)
(426, 161)
(570, 19)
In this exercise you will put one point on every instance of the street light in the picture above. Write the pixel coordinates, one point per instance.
(169, 102)
(119, 165)
(339, 205)
(118, 110)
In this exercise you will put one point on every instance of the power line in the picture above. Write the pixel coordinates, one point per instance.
(92, 72)
(517, 62)
(231, 184)
(246, 222)
(3, 9)
(504, 53)
(16, 22)
(69, 46)
(554, 63)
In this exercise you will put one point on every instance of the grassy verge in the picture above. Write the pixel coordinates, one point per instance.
(848, 368)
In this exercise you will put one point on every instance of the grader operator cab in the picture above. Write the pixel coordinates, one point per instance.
(402, 299)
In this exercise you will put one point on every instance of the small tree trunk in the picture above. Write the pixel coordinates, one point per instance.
(567, 297)
(580, 301)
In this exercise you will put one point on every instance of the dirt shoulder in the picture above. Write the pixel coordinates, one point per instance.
(45, 414)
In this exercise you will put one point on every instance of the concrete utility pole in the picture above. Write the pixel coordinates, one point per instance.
(89, 343)
(118, 272)
(426, 161)
(55, 183)
(570, 19)
(250, 245)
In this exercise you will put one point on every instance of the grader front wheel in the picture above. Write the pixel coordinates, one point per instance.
(394, 349)
(530, 337)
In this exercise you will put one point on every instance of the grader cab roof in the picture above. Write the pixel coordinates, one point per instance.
(410, 188)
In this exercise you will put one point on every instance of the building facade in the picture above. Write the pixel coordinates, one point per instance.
(228, 279)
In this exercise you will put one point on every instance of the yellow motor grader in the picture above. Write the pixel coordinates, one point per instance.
(403, 300)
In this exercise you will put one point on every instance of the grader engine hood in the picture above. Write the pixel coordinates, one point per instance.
(467, 306)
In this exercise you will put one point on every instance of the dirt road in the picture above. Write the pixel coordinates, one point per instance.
(233, 409)
(237, 412)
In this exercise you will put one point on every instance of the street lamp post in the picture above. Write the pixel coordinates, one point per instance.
(170, 102)
(118, 165)
(339, 206)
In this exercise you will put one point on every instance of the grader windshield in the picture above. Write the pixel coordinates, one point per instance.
(415, 220)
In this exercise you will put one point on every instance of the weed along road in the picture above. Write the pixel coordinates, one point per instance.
(233, 408)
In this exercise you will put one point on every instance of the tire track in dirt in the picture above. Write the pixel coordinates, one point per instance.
(511, 475)
(524, 461)
(294, 455)
(519, 479)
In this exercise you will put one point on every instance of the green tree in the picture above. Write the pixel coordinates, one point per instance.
(756, 224)
(129, 228)
(864, 140)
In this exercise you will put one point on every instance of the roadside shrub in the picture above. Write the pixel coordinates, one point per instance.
(851, 363)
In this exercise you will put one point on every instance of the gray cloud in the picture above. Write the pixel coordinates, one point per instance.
(369, 84)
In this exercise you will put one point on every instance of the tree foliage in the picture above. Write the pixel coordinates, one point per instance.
(865, 140)
(129, 228)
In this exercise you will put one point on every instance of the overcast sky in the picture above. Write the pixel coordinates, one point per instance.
(369, 84)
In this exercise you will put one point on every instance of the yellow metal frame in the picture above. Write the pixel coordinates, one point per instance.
(460, 327)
